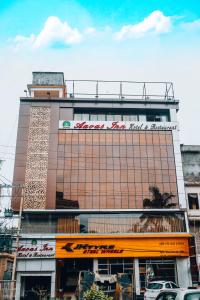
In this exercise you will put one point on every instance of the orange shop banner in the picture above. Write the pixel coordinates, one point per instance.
(122, 246)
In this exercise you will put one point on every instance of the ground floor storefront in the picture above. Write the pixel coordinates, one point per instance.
(120, 265)
(125, 277)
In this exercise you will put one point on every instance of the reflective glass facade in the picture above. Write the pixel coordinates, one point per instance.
(98, 223)
(110, 169)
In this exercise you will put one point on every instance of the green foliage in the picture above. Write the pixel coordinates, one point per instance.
(158, 200)
(94, 294)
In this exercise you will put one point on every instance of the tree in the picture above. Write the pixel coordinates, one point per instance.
(154, 222)
(158, 200)
(94, 294)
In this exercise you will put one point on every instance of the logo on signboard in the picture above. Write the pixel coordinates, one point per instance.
(66, 124)
(91, 249)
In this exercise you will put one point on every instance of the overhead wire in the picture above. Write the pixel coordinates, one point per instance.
(7, 146)
(7, 153)
(6, 178)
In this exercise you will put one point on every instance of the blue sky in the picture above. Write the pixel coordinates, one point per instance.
(139, 40)
(23, 17)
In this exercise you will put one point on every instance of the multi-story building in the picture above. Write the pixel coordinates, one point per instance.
(104, 195)
(191, 171)
(1, 162)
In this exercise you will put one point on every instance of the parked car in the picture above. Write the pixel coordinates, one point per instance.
(179, 294)
(155, 287)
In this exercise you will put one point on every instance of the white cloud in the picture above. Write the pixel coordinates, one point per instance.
(192, 25)
(54, 31)
(155, 23)
(22, 41)
(90, 31)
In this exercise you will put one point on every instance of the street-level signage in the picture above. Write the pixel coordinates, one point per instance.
(117, 125)
(102, 246)
(38, 249)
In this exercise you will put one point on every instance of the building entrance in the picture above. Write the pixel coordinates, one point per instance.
(36, 287)
(117, 276)
(68, 276)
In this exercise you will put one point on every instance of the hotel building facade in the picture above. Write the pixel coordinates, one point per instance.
(93, 164)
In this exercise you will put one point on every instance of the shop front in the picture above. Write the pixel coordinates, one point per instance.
(35, 269)
(120, 265)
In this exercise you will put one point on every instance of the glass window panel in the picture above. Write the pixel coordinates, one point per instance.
(168, 138)
(78, 117)
(126, 118)
(150, 152)
(129, 151)
(164, 118)
(117, 117)
(142, 138)
(124, 175)
(60, 187)
(60, 176)
(68, 138)
(93, 117)
(137, 163)
(102, 138)
(170, 151)
(138, 176)
(95, 137)
(135, 138)
(151, 118)
(61, 138)
(75, 137)
(144, 163)
(133, 118)
(142, 118)
(101, 117)
(60, 163)
(85, 117)
(136, 150)
(122, 138)
(145, 176)
(116, 138)
(149, 138)
(129, 139)
(110, 117)
(143, 151)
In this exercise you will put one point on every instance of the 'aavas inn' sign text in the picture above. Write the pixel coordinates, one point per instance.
(115, 125)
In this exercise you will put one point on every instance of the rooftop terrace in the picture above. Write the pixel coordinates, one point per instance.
(133, 90)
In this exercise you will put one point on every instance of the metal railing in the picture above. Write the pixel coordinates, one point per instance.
(122, 90)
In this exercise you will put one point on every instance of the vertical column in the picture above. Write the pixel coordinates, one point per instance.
(95, 265)
(53, 284)
(183, 272)
(37, 158)
(179, 170)
(173, 115)
(18, 287)
(137, 276)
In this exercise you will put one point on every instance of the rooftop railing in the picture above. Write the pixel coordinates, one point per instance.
(132, 90)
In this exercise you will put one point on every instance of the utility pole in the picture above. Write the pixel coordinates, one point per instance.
(13, 279)
(18, 236)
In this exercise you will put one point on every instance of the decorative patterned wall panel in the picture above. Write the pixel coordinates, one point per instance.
(37, 159)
